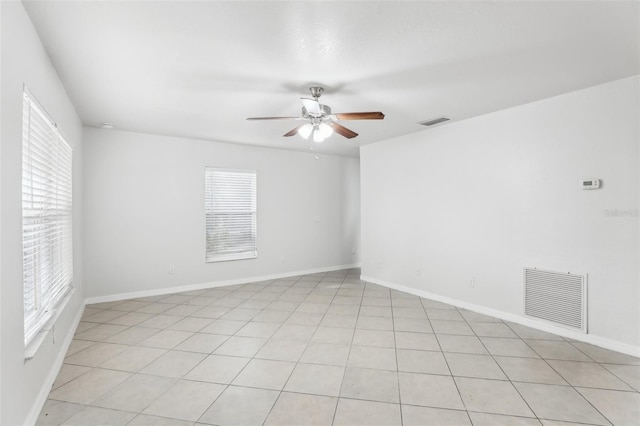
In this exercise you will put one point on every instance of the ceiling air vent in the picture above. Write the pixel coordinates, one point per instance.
(434, 121)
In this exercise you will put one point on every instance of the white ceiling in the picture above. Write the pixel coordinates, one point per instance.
(199, 69)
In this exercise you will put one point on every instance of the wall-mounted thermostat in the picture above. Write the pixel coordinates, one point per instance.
(590, 183)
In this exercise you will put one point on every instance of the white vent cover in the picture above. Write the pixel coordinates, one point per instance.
(560, 298)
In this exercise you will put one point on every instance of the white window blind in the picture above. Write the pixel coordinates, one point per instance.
(230, 210)
(46, 217)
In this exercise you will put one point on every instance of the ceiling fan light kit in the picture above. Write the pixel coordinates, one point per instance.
(320, 131)
(305, 130)
(321, 122)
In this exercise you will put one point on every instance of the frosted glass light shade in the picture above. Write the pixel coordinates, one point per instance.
(325, 130)
(305, 131)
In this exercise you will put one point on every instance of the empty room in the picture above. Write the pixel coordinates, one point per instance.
(340, 213)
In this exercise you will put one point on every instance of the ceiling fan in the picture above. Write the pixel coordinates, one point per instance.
(321, 123)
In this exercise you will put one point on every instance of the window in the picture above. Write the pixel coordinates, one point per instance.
(230, 210)
(47, 260)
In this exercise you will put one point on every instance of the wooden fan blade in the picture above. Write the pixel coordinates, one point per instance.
(377, 115)
(341, 130)
(292, 131)
(272, 118)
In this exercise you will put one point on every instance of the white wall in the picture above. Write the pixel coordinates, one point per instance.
(485, 197)
(25, 383)
(144, 211)
(350, 229)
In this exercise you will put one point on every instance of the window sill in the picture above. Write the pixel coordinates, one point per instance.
(229, 257)
(32, 348)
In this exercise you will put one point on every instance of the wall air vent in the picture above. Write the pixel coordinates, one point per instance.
(434, 121)
(560, 298)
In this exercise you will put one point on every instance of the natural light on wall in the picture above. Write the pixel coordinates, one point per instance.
(46, 217)
(230, 210)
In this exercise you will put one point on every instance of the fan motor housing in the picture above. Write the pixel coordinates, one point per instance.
(325, 110)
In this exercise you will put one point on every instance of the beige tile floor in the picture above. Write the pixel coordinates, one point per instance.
(329, 349)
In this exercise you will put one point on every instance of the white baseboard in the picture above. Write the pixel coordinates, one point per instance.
(40, 400)
(212, 284)
(549, 328)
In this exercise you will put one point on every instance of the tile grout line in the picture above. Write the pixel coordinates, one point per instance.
(606, 369)
(546, 361)
(226, 386)
(346, 365)
(543, 359)
(395, 351)
(569, 383)
(296, 363)
(307, 346)
(275, 401)
(446, 361)
(252, 357)
(498, 364)
(255, 291)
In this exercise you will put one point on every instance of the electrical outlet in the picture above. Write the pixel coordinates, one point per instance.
(418, 272)
(472, 282)
(172, 270)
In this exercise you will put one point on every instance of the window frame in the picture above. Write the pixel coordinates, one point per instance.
(47, 222)
(223, 256)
